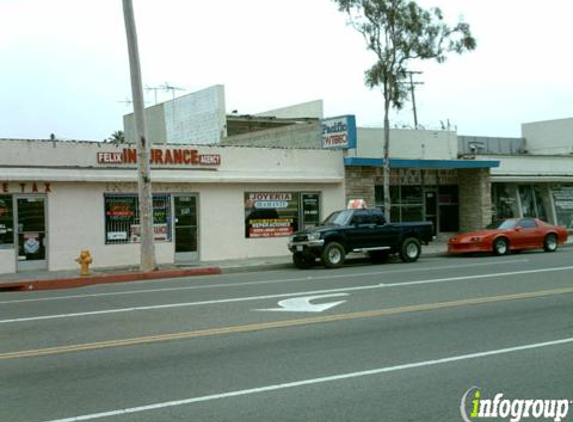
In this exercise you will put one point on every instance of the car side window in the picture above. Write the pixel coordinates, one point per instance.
(527, 223)
(378, 217)
(361, 217)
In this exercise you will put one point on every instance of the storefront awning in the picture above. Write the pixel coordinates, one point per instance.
(398, 163)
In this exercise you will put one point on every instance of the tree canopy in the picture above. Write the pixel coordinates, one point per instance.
(399, 31)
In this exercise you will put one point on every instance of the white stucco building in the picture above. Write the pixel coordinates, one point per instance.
(210, 202)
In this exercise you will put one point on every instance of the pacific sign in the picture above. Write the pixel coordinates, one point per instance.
(189, 157)
(339, 132)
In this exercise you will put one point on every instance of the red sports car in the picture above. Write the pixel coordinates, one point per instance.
(510, 235)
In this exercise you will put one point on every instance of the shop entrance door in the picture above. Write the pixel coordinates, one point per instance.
(30, 219)
(431, 206)
(186, 228)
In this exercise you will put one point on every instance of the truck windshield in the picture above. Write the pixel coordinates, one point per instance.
(339, 218)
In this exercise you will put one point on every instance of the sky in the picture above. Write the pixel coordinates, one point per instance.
(64, 65)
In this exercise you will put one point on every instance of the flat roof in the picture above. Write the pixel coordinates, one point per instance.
(398, 163)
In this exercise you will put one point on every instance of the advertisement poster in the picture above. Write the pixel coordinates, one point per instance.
(563, 197)
(161, 232)
(270, 214)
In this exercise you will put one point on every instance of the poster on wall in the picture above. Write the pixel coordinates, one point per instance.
(270, 214)
(563, 199)
(160, 233)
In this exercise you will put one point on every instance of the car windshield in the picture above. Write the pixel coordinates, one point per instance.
(338, 218)
(504, 225)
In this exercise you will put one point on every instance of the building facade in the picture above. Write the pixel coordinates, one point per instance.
(209, 202)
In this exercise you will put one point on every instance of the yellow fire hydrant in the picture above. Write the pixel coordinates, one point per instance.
(85, 259)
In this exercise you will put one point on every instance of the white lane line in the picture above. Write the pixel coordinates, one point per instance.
(252, 283)
(313, 381)
(280, 295)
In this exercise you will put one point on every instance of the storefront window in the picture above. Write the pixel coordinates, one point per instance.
(271, 214)
(412, 213)
(563, 197)
(504, 197)
(6, 221)
(533, 201)
(122, 223)
(310, 210)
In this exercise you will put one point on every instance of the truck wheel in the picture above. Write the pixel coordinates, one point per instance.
(302, 261)
(378, 257)
(333, 255)
(500, 246)
(550, 243)
(410, 250)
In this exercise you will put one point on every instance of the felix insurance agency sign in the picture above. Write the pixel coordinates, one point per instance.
(339, 132)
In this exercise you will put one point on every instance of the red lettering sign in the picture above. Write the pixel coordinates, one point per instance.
(160, 157)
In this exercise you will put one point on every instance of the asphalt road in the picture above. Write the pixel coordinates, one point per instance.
(393, 342)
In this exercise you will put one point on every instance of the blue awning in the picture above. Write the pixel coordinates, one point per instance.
(401, 163)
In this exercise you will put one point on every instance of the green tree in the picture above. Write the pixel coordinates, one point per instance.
(117, 137)
(399, 31)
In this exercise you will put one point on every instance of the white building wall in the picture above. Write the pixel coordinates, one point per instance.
(222, 215)
(7, 261)
(76, 221)
(532, 168)
(549, 137)
(77, 184)
(411, 144)
(196, 118)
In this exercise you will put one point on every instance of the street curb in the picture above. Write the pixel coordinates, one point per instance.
(289, 265)
(66, 283)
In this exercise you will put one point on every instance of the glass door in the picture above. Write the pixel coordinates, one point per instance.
(186, 228)
(30, 219)
(431, 205)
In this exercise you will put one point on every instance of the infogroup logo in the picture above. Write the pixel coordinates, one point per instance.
(512, 409)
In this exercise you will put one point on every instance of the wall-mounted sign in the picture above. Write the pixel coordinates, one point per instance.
(179, 156)
(31, 187)
(339, 132)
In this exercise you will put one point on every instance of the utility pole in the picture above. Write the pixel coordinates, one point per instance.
(147, 246)
(412, 89)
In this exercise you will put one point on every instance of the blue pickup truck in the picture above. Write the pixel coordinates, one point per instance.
(358, 230)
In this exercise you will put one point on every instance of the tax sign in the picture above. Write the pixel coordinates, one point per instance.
(339, 132)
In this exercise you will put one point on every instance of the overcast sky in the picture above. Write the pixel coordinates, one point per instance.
(64, 66)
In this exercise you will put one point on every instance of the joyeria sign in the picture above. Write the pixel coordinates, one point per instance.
(176, 156)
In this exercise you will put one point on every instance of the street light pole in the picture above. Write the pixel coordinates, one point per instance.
(147, 262)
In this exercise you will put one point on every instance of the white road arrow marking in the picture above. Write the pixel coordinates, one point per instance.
(302, 304)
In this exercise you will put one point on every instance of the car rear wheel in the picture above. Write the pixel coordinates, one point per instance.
(410, 250)
(500, 247)
(333, 255)
(550, 243)
(302, 261)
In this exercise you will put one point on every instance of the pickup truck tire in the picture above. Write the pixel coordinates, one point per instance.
(302, 261)
(410, 250)
(333, 255)
(379, 257)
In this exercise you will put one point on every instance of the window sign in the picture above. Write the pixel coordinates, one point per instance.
(271, 214)
(122, 223)
(563, 200)
(6, 220)
(310, 210)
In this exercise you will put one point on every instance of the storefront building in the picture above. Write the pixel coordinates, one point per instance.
(534, 186)
(209, 202)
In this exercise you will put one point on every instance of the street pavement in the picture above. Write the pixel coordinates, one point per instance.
(392, 342)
